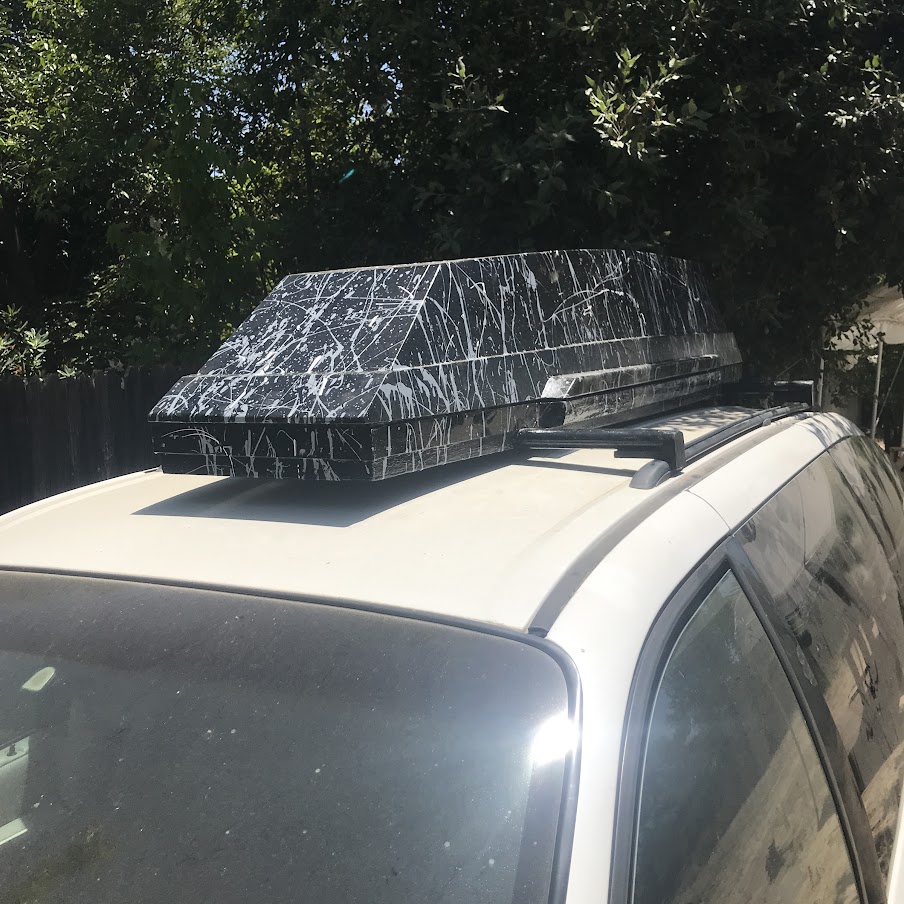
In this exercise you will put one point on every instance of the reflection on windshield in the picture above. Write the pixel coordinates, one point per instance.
(554, 740)
(167, 745)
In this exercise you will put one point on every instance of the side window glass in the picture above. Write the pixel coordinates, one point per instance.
(734, 805)
(833, 582)
(878, 489)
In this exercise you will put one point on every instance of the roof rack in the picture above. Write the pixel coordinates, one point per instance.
(372, 373)
(667, 448)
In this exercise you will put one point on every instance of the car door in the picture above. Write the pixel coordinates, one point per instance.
(824, 556)
(725, 796)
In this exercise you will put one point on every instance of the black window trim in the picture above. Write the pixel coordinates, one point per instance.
(674, 615)
(561, 864)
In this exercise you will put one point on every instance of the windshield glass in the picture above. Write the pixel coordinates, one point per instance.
(168, 745)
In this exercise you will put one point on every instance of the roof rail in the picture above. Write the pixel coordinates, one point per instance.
(764, 394)
(667, 448)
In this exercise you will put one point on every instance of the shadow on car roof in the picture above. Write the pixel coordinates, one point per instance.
(324, 504)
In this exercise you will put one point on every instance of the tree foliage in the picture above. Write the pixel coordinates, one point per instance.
(163, 162)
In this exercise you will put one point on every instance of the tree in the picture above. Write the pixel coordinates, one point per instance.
(163, 162)
(760, 136)
(128, 230)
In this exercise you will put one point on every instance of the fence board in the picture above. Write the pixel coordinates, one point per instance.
(58, 434)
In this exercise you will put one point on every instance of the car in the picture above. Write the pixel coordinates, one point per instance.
(659, 661)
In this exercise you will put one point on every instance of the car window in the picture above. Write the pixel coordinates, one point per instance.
(834, 582)
(172, 746)
(878, 490)
(734, 805)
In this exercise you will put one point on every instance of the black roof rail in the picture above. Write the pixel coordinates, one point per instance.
(667, 448)
(766, 394)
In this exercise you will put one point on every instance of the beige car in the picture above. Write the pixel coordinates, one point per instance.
(531, 678)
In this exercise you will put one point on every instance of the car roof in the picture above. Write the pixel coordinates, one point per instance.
(487, 540)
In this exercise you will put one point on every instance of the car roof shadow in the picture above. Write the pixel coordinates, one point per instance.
(325, 504)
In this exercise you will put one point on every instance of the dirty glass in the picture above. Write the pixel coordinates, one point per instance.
(878, 490)
(734, 805)
(169, 745)
(829, 558)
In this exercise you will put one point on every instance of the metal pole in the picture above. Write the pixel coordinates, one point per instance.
(901, 437)
(872, 431)
(820, 383)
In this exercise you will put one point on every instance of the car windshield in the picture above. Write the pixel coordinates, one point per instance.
(165, 745)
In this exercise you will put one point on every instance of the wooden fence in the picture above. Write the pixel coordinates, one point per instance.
(57, 434)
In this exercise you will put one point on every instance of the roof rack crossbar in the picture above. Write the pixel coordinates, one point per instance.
(667, 448)
(628, 442)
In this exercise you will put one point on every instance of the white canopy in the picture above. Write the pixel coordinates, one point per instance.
(885, 310)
